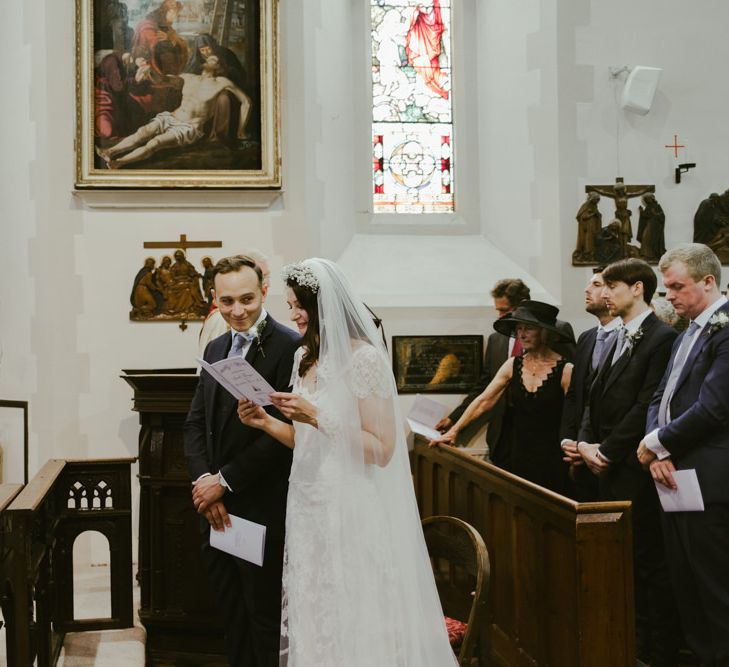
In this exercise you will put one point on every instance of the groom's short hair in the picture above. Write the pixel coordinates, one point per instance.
(236, 263)
(631, 271)
(699, 260)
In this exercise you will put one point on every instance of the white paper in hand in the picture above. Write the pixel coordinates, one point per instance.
(686, 498)
(244, 539)
(424, 415)
(240, 379)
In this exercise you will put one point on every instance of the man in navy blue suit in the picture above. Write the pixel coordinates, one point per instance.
(688, 428)
(240, 470)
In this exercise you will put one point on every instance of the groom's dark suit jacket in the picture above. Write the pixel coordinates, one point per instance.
(698, 435)
(254, 465)
(618, 402)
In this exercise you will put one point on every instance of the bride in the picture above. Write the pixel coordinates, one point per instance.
(358, 588)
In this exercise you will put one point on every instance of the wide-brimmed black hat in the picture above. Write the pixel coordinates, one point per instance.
(539, 314)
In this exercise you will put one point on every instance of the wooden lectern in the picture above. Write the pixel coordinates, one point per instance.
(177, 609)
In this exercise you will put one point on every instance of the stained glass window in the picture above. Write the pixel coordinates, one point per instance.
(412, 121)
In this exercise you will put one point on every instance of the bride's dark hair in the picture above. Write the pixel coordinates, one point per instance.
(308, 301)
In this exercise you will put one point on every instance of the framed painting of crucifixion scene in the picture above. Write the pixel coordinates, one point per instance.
(177, 94)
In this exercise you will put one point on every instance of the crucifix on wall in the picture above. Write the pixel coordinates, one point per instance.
(601, 245)
(173, 289)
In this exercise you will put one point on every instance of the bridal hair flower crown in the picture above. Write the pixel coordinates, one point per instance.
(302, 275)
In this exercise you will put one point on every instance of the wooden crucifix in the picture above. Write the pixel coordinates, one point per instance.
(171, 291)
(621, 193)
(183, 243)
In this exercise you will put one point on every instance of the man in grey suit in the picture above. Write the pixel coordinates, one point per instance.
(688, 428)
(507, 295)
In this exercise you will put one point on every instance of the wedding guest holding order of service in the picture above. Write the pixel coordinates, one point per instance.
(688, 428)
(358, 584)
(537, 382)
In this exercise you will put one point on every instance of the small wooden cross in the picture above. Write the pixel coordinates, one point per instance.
(183, 243)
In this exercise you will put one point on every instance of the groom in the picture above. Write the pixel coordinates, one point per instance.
(239, 470)
(688, 428)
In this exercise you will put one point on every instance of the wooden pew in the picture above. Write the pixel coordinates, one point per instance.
(7, 495)
(40, 526)
(561, 571)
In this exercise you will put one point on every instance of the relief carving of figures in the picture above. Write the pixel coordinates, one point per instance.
(651, 225)
(589, 223)
(598, 244)
(146, 296)
(172, 291)
(711, 224)
(184, 296)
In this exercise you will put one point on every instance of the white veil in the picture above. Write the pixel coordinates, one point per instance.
(389, 590)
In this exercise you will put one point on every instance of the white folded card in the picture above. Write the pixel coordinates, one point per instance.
(240, 379)
(686, 498)
(244, 539)
(424, 414)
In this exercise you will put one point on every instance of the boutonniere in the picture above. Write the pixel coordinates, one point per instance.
(257, 332)
(718, 321)
(632, 339)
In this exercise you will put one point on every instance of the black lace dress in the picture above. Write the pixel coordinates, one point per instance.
(536, 416)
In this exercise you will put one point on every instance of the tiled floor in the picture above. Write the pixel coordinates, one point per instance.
(108, 648)
(115, 648)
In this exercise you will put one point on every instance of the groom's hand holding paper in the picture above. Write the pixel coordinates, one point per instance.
(240, 379)
(243, 539)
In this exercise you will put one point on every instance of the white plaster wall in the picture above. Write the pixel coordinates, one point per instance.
(688, 42)
(538, 124)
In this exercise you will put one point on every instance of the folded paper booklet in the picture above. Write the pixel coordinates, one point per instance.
(244, 539)
(240, 379)
(686, 498)
(424, 415)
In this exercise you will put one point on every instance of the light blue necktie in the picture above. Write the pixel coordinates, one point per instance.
(239, 341)
(678, 364)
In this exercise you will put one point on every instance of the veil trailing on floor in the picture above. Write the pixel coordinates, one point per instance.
(366, 537)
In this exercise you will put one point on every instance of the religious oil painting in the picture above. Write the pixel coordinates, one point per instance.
(177, 94)
(412, 116)
(436, 364)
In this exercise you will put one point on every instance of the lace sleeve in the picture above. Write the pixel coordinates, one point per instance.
(328, 423)
(369, 373)
(295, 370)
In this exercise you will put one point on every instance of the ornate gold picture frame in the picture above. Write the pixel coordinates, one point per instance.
(177, 94)
(436, 364)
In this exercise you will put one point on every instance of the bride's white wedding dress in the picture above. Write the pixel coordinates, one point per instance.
(358, 585)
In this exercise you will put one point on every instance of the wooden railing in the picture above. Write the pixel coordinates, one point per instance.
(561, 571)
(39, 526)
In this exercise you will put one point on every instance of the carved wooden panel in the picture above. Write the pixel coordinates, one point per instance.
(559, 569)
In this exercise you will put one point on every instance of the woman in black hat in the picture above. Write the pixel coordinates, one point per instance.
(535, 383)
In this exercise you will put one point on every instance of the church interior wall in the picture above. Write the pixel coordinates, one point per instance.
(538, 124)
